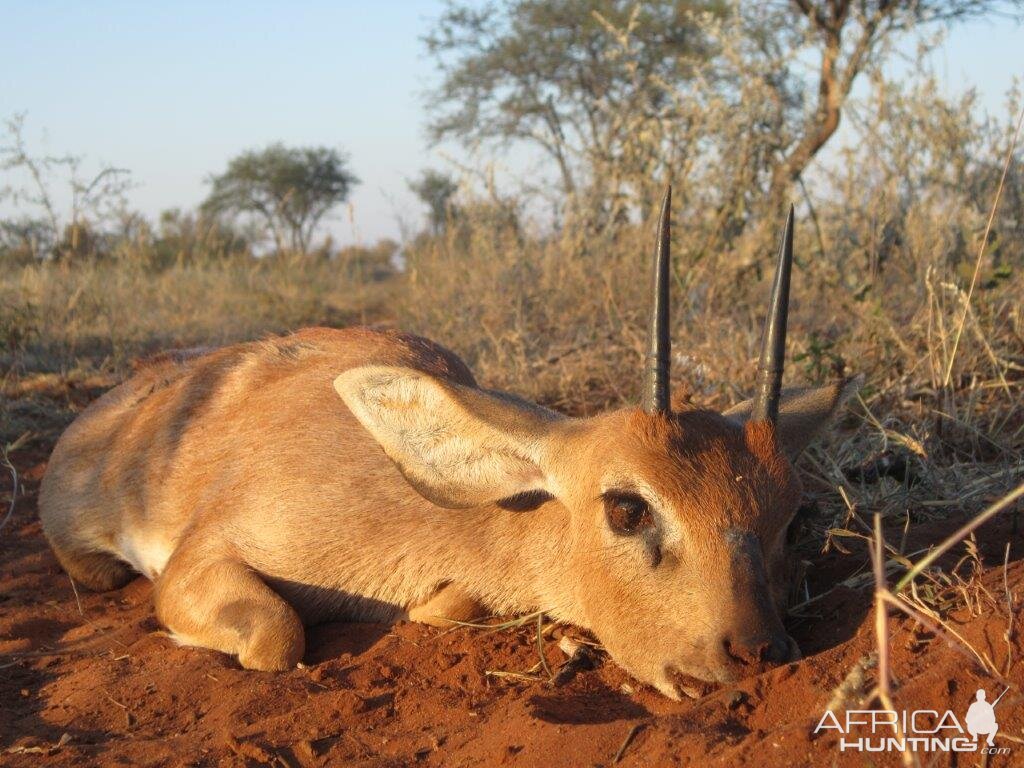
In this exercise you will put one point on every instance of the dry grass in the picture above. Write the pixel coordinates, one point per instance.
(928, 613)
(67, 331)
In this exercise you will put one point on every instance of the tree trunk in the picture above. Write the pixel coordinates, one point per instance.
(820, 127)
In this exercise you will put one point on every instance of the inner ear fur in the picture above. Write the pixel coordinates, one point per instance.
(458, 446)
(803, 411)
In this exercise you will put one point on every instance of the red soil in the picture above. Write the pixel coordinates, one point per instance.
(93, 681)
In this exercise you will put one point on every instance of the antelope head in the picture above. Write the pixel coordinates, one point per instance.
(664, 529)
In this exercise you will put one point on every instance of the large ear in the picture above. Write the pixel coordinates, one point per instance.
(457, 446)
(804, 411)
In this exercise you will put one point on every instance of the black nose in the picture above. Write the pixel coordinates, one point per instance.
(760, 650)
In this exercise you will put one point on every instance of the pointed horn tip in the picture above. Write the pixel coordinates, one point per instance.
(786, 246)
(665, 223)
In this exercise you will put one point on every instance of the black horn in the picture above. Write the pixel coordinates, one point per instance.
(773, 343)
(659, 344)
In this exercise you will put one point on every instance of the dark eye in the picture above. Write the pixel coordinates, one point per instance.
(627, 513)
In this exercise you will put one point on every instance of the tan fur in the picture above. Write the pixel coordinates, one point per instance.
(259, 500)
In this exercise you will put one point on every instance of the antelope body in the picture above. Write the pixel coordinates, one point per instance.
(363, 474)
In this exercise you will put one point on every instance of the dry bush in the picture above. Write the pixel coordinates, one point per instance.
(887, 239)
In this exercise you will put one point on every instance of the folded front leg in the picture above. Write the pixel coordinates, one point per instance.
(450, 604)
(219, 602)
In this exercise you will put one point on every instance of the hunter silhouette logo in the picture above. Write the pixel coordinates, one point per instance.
(920, 730)
(981, 717)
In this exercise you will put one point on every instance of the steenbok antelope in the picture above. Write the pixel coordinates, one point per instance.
(364, 474)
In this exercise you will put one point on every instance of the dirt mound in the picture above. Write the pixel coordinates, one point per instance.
(89, 679)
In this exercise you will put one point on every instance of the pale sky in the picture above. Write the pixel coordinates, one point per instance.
(172, 90)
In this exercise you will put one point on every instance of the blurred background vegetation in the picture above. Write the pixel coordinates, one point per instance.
(744, 108)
